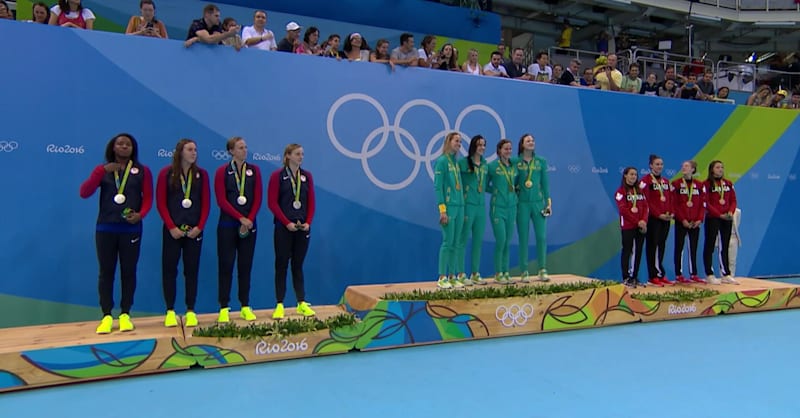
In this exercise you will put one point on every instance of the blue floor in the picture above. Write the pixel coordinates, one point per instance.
(730, 366)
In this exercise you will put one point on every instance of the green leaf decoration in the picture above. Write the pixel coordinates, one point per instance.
(497, 292)
(201, 355)
(277, 329)
(566, 313)
(676, 295)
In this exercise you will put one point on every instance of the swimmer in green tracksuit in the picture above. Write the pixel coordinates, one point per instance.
(534, 205)
(502, 177)
(450, 198)
(473, 173)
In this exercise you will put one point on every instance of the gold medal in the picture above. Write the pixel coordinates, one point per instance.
(634, 209)
(458, 186)
(480, 189)
(529, 184)
(689, 203)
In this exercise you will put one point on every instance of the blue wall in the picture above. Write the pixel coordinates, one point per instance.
(377, 219)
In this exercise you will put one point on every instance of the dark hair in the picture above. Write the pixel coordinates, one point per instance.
(540, 53)
(377, 45)
(110, 156)
(309, 32)
(64, 6)
(451, 63)
(496, 53)
(632, 66)
(500, 145)
(624, 172)
(521, 140)
(427, 40)
(227, 21)
(333, 35)
(143, 2)
(711, 169)
(653, 157)
(210, 8)
(473, 148)
(177, 160)
(260, 11)
(404, 37)
(348, 46)
(42, 5)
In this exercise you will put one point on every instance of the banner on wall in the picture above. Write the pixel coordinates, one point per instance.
(370, 137)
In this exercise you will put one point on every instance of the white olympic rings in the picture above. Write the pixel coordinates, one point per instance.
(8, 146)
(514, 315)
(220, 155)
(368, 150)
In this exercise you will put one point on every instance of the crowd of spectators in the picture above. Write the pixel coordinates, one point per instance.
(603, 74)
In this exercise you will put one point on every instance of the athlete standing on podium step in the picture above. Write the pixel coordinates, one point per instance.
(502, 179)
(238, 189)
(656, 190)
(126, 195)
(687, 205)
(633, 214)
(720, 208)
(450, 199)
(534, 204)
(290, 197)
(473, 174)
(183, 198)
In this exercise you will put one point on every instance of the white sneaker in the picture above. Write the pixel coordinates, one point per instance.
(729, 280)
(713, 280)
(443, 283)
(523, 277)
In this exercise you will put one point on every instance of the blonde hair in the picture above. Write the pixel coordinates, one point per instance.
(288, 150)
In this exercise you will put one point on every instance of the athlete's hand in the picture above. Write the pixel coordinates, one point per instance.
(291, 227)
(643, 226)
(687, 224)
(304, 227)
(194, 232)
(247, 223)
(664, 217)
(176, 233)
(112, 167)
(133, 217)
(443, 220)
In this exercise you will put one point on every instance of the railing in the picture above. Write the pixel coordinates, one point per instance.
(624, 58)
(743, 76)
(754, 5)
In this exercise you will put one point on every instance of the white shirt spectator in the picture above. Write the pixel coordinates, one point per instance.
(540, 74)
(85, 13)
(499, 69)
(267, 45)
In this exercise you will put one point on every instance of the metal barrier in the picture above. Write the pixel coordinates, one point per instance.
(754, 5)
(743, 76)
(624, 58)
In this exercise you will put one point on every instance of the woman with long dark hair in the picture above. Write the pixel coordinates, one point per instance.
(633, 213)
(657, 191)
(126, 196)
(183, 198)
(534, 205)
(290, 197)
(473, 174)
(720, 208)
(502, 177)
(71, 14)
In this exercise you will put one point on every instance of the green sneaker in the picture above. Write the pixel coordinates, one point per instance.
(303, 308)
(443, 283)
(500, 278)
(509, 280)
(543, 276)
(170, 320)
(224, 316)
(125, 323)
(278, 313)
(456, 282)
(247, 314)
(467, 281)
(191, 319)
(477, 279)
(105, 325)
(524, 277)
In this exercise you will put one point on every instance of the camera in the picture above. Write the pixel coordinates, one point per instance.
(149, 25)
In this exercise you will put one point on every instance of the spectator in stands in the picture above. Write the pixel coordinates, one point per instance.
(762, 97)
(514, 67)
(71, 14)
(471, 65)
(405, 54)
(428, 58)
(381, 53)
(447, 58)
(495, 67)
(606, 74)
(207, 29)
(41, 14)
(669, 74)
(588, 79)
(501, 48)
(540, 70)
(690, 89)
(146, 24)
(558, 71)
(631, 83)
(778, 98)
(565, 41)
(569, 77)
(258, 36)
(230, 25)
(795, 103)
(355, 48)
(722, 93)
(287, 44)
(310, 44)
(706, 85)
(667, 89)
(5, 11)
(331, 48)
(651, 86)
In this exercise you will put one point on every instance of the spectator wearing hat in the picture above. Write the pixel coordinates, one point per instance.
(606, 74)
(356, 48)
(258, 36)
(292, 35)
(778, 98)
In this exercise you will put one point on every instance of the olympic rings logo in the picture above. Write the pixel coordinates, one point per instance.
(402, 137)
(8, 146)
(220, 155)
(574, 169)
(515, 315)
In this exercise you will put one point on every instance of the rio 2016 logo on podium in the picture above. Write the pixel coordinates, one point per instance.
(403, 137)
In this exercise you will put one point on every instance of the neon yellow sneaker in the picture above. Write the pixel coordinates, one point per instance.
(191, 319)
(125, 323)
(278, 313)
(247, 314)
(303, 308)
(224, 316)
(477, 279)
(105, 325)
(500, 278)
(455, 283)
(170, 320)
(443, 283)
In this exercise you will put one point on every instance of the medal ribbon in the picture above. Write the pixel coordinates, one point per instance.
(296, 184)
(660, 188)
(239, 181)
(721, 191)
(509, 179)
(186, 186)
(635, 196)
(451, 168)
(531, 167)
(690, 186)
(479, 174)
(121, 186)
